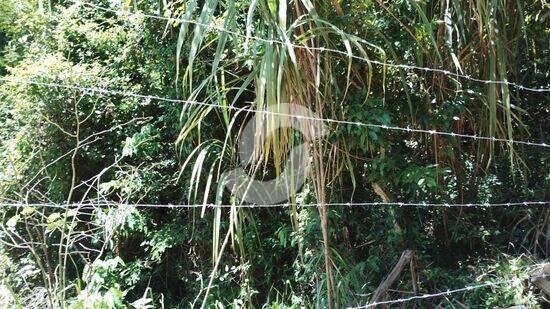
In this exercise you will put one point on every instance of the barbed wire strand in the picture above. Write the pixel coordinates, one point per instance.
(448, 292)
(246, 109)
(320, 49)
(210, 205)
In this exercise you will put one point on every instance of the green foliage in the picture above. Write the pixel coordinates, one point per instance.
(102, 289)
(104, 151)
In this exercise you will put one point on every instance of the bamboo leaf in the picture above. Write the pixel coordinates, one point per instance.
(183, 33)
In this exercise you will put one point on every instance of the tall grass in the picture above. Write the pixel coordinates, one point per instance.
(472, 37)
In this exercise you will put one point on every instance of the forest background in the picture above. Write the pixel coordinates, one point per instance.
(100, 133)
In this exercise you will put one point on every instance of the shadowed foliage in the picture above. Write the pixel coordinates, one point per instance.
(94, 151)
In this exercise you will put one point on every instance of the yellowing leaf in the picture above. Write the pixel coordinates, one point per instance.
(27, 211)
(53, 217)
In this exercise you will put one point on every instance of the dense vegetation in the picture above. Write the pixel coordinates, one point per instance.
(92, 154)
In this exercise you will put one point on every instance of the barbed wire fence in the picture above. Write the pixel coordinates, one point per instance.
(105, 203)
(251, 110)
(449, 292)
(284, 205)
(309, 48)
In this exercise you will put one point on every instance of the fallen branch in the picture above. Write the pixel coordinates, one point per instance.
(407, 257)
